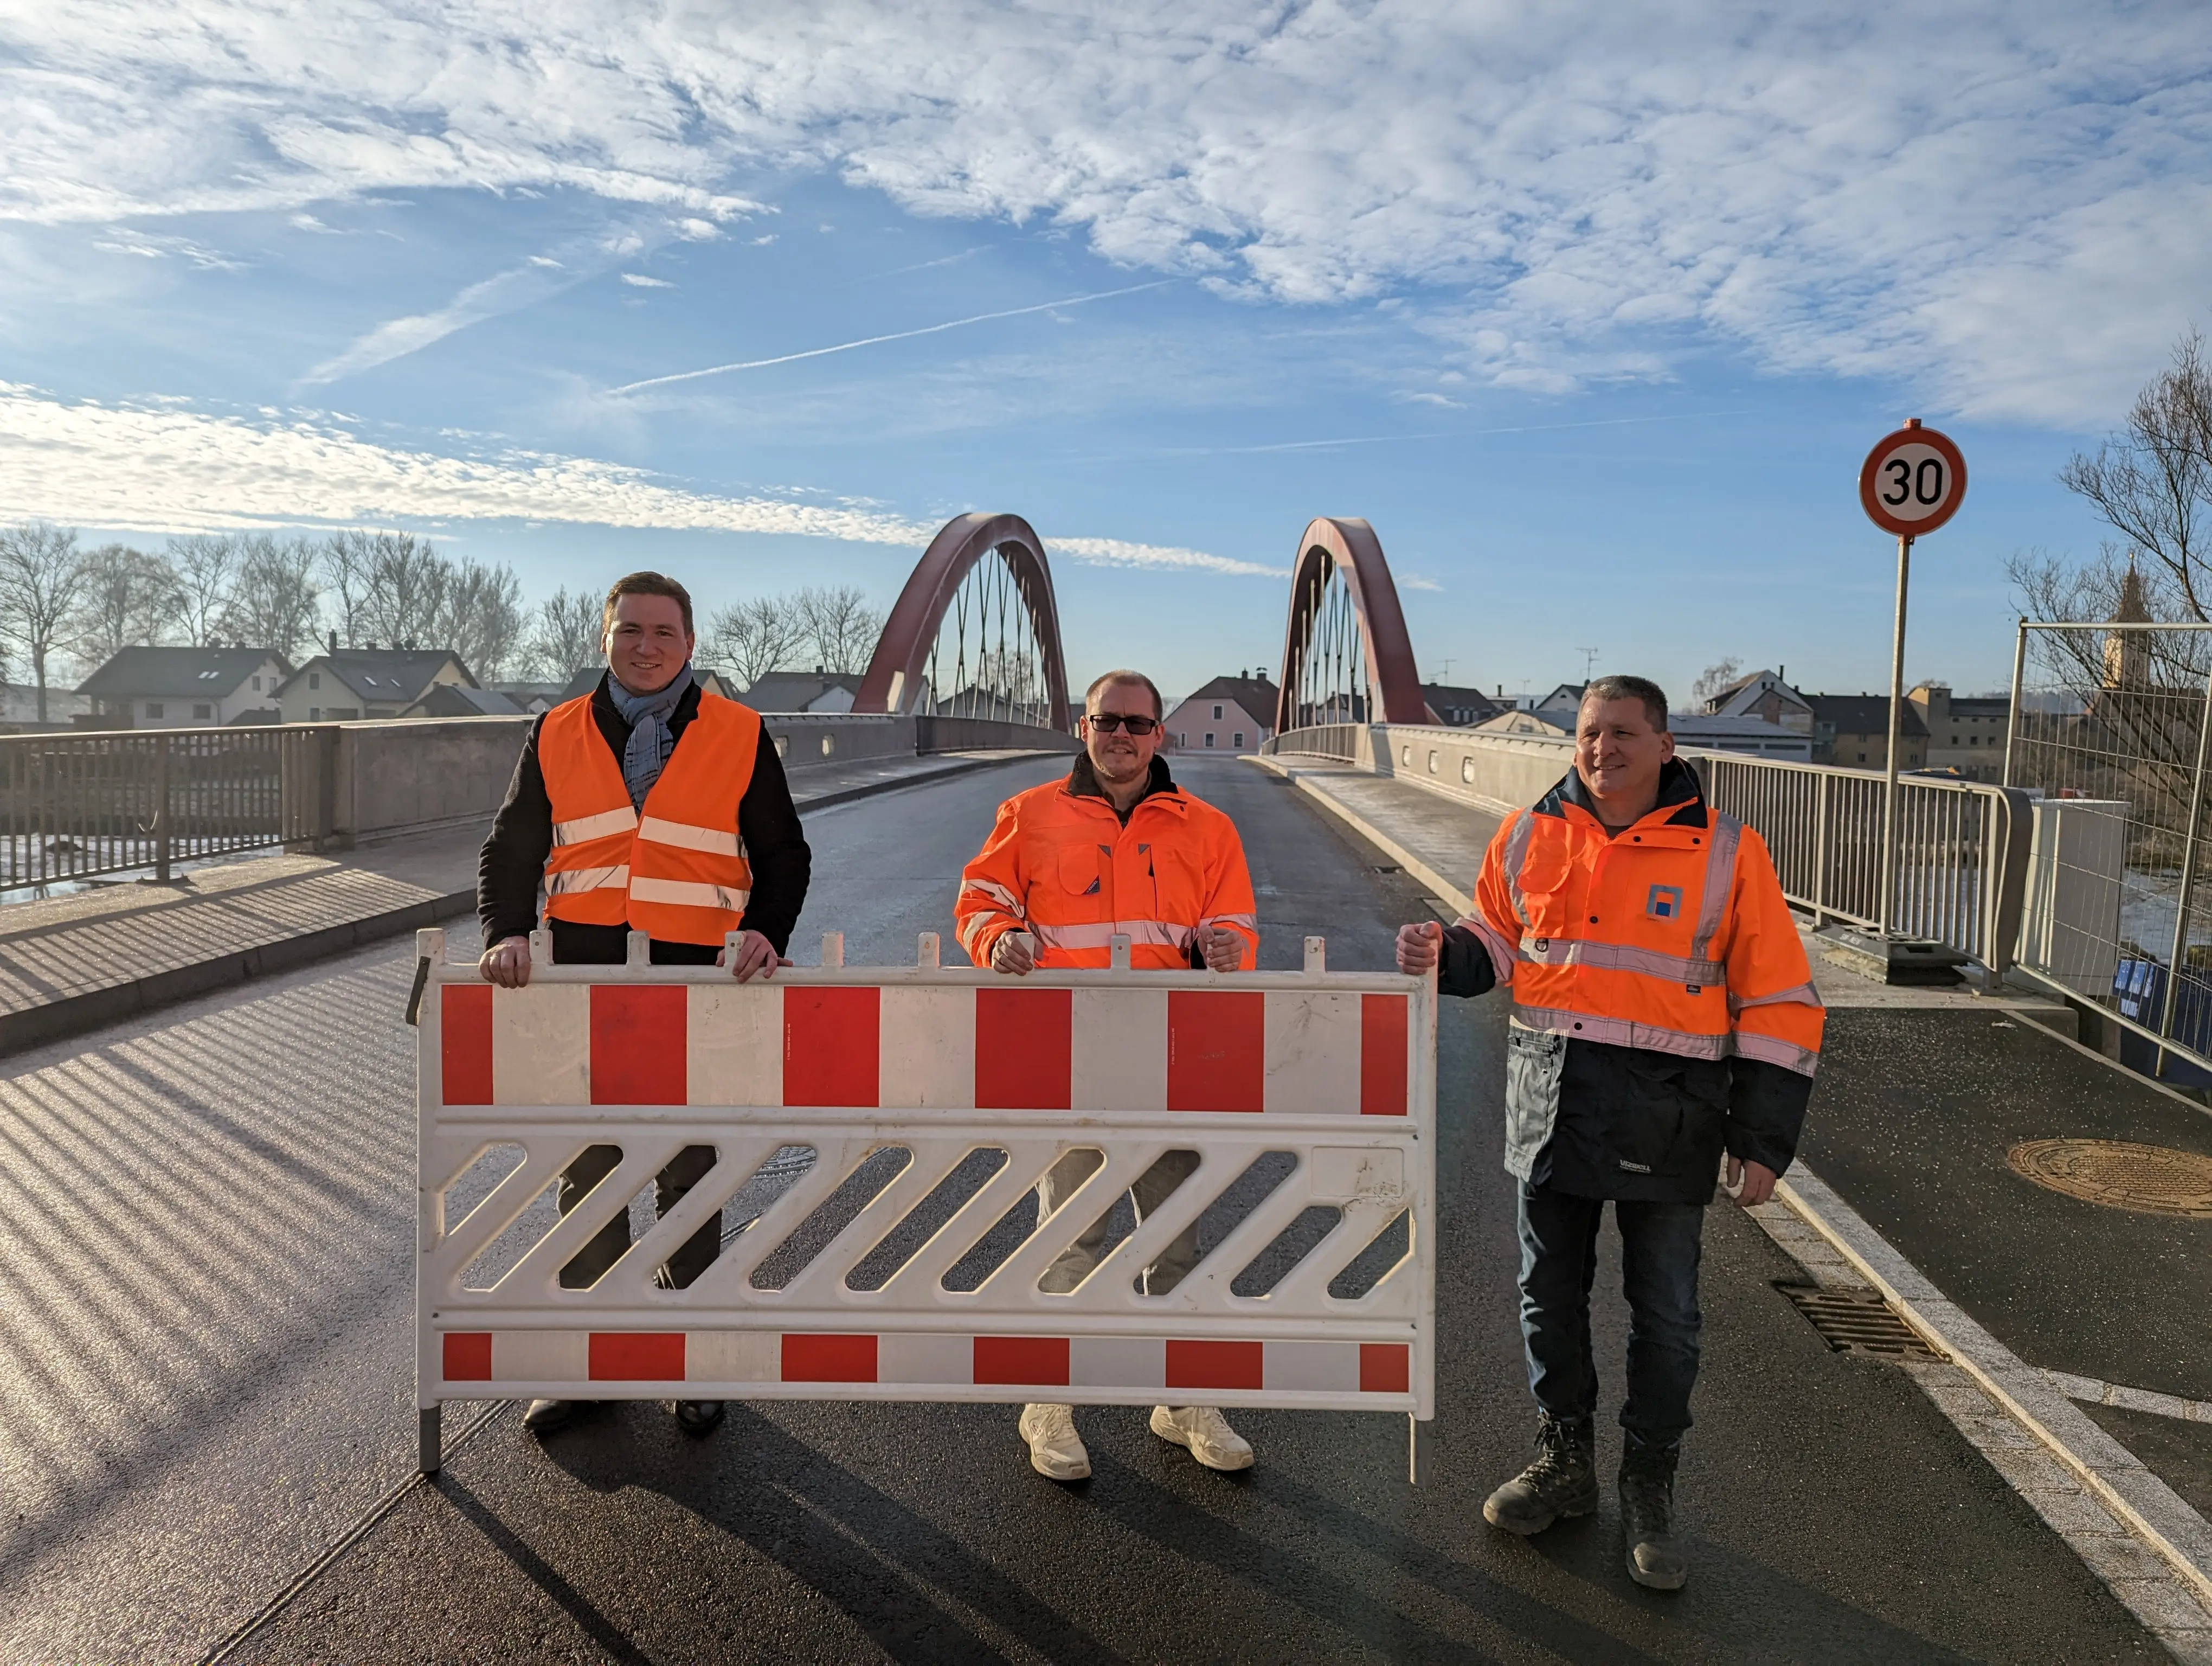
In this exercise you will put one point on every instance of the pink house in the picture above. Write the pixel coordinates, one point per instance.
(1231, 714)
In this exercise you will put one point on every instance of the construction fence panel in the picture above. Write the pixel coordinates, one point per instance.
(877, 1139)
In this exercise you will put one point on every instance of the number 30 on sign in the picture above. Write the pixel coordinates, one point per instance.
(1912, 480)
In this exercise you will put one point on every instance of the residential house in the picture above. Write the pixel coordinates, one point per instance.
(1567, 697)
(530, 697)
(1552, 725)
(1232, 713)
(356, 684)
(1966, 734)
(175, 688)
(1459, 707)
(1766, 695)
(456, 699)
(1749, 734)
(1853, 730)
(815, 690)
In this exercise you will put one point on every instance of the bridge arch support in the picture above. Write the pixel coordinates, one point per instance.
(1346, 655)
(902, 667)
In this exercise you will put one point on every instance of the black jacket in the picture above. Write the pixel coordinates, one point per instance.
(1669, 1115)
(512, 866)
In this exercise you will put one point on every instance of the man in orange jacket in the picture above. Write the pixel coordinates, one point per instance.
(647, 805)
(1662, 1013)
(1116, 849)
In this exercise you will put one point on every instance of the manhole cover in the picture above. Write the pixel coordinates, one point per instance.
(2153, 1179)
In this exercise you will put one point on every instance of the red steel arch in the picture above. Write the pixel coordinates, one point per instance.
(902, 650)
(1350, 545)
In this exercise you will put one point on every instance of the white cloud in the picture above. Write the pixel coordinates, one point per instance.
(640, 281)
(2010, 206)
(158, 468)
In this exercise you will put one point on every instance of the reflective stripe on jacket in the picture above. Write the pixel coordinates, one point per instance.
(1061, 865)
(677, 871)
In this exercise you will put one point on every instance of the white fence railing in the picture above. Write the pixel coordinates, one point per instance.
(876, 1136)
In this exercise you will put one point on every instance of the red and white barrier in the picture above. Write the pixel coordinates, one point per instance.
(1336, 1069)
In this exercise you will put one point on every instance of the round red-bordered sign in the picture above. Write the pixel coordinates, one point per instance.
(1912, 480)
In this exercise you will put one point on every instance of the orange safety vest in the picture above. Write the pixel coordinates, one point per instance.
(1672, 936)
(679, 872)
(1061, 866)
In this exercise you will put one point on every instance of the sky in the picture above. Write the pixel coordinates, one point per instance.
(1591, 311)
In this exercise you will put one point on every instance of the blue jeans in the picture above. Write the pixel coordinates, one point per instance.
(1660, 1248)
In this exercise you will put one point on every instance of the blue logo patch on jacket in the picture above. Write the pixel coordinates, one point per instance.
(1665, 903)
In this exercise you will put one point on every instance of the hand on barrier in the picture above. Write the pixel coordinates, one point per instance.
(755, 953)
(506, 962)
(1748, 1182)
(1223, 949)
(1015, 954)
(1418, 946)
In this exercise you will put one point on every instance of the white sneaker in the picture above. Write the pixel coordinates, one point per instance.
(1207, 1433)
(1055, 1449)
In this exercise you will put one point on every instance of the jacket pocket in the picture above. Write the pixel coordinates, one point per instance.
(1671, 1110)
(1535, 1062)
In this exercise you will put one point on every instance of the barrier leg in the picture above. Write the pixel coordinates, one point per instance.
(1417, 1449)
(427, 1453)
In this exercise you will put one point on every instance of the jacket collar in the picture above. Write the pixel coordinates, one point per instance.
(1082, 783)
(1680, 797)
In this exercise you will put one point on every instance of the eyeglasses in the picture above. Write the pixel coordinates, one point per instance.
(1107, 722)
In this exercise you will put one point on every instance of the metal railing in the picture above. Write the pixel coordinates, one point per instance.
(73, 807)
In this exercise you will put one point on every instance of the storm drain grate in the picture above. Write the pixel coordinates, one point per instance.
(1857, 1322)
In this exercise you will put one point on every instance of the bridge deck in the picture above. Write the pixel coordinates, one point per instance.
(210, 1217)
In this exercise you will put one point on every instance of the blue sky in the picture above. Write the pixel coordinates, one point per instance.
(1592, 313)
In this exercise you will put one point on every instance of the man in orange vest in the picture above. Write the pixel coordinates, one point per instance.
(1116, 849)
(1663, 1013)
(648, 804)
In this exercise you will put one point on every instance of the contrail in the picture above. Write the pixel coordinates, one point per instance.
(900, 335)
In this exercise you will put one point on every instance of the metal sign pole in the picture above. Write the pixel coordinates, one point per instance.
(1884, 914)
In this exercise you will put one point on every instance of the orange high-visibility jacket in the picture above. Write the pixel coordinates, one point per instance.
(1670, 942)
(677, 872)
(1060, 866)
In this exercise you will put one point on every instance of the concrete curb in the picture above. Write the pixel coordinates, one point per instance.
(96, 1009)
(1444, 889)
(2116, 1477)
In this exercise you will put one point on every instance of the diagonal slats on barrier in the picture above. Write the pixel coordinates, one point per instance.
(1334, 1071)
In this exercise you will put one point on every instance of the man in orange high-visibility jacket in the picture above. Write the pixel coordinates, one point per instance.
(648, 804)
(1662, 1013)
(1116, 849)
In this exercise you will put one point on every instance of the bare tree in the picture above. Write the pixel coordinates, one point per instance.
(755, 637)
(274, 601)
(478, 616)
(1715, 678)
(565, 636)
(406, 600)
(41, 575)
(205, 565)
(346, 560)
(840, 625)
(129, 600)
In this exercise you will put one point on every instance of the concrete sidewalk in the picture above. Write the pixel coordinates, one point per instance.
(1923, 1097)
(72, 964)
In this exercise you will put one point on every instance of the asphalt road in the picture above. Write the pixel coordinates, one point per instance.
(208, 1218)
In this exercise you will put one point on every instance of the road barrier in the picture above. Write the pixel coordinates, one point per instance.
(889, 1126)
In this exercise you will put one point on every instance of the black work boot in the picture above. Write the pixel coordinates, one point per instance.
(1647, 1515)
(1562, 1481)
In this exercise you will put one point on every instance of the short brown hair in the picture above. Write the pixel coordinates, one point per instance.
(1159, 706)
(1629, 687)
(645, 584)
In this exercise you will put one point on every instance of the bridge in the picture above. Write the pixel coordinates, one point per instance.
(1945, 1412)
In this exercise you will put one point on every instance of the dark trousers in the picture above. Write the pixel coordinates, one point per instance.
(684, 1170)
(1660, 1245)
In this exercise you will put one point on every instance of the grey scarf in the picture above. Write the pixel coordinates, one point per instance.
(650, 740)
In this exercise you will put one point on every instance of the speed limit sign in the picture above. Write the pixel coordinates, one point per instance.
(1912, 480)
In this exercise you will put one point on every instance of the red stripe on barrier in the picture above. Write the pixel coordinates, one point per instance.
(829, 1052)
(1385, 1367)
(1213, 1364)
(1023, 1048)
(632, 1356)
(467, 1357)
(1031, 1359)
(465, 1043)
(1382, 1055)
(829, 1359)
(1217, 1050)
(638, 1054)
